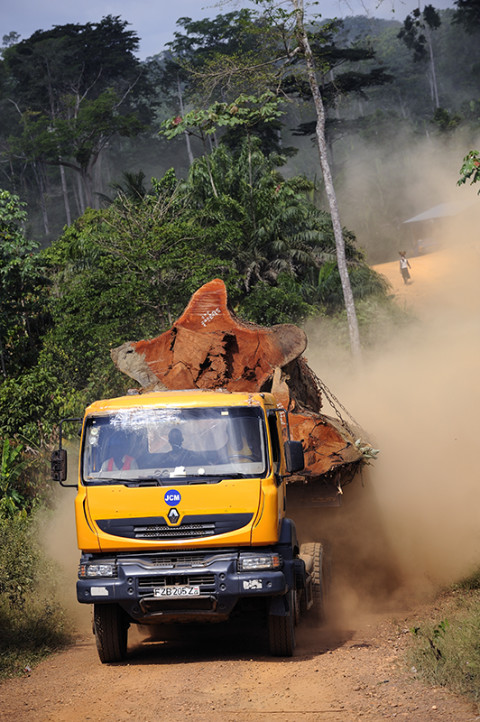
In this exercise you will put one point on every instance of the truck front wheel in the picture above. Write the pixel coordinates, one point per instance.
(111, 629)
(281, 630)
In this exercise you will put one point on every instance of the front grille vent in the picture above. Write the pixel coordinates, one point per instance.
(178, 562)
(185, 531)
(201, 580)
(191, 527)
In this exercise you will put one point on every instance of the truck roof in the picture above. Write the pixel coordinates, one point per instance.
(184, 398)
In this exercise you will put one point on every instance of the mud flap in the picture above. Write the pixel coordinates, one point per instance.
(279, 606)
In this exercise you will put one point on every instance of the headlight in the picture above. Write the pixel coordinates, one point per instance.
(257, 562)
(97, 570)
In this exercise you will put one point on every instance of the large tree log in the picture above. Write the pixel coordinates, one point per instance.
(209, 347)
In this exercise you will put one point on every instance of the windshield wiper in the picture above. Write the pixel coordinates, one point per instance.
(152, 480)
(204, 479)
(100, 481)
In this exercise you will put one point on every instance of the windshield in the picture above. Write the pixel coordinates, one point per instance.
(190, 445)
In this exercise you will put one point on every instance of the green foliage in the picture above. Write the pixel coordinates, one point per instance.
(470, 582)
(365, 282)
(246, 111)
(12, 463)
(48, 65)
(267, 223)
(415, 30)
(122, 273)
(223, 57)
(22, 288)
(447, 653)
(346, 66)
(446, 122)
(19, 560)
(269, 305)
(32, 622)
(29, 404)
(470, 169)
(74, 87)
(467, 15)
(80, 134)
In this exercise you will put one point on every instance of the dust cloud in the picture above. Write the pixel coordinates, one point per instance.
(391, 182)
(58, 537)
(418, 395)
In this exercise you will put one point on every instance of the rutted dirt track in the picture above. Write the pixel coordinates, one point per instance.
(351, 669)
(344, 675)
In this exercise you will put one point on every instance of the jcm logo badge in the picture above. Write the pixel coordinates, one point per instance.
(172, 497)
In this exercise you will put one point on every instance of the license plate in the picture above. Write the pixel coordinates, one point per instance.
(177, 591)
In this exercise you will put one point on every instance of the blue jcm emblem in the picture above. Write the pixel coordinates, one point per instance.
(172, 497)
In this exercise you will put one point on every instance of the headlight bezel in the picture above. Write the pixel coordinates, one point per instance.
(98, 570)
(259, 562)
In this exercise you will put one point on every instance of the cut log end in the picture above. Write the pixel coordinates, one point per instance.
(208, 347)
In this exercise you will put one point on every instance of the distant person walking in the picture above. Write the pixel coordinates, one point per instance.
(404, 266)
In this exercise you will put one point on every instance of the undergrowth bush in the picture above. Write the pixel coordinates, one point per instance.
(32, 621)
(447, 652)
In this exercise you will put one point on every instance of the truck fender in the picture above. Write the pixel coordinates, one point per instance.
(288, 535)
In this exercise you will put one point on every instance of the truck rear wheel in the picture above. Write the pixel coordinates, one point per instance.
(281, 630)
(111, 629)
(315, 550)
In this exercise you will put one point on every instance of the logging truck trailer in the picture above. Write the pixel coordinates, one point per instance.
(181, 515)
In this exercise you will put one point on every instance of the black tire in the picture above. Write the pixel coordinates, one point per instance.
(111, 630)
(281, 630)
(315, 550)
(299, 605)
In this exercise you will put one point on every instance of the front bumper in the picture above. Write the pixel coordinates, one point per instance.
(220, 584)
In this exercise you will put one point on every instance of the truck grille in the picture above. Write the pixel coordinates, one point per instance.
(192, 526)
(184, 531)
(176, 579)
(174, 562)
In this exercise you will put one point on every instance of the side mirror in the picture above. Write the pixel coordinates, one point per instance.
(58, 462)
(294, 458)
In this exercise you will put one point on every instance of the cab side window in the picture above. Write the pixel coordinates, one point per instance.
(273, 428)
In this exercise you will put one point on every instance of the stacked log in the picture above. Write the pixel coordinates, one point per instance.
(208, 347)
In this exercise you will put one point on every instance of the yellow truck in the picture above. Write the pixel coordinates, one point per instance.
(181, 515)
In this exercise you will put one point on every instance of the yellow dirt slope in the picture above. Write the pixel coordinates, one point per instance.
(445, 278)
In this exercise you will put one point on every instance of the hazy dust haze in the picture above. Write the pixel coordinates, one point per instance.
(60, 542)
(388, 183)
(419, 398)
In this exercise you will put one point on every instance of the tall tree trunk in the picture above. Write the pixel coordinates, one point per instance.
(82, 204)
(182, 113)
(433, 73)
(66, 201)
(327, 178)
(42, 194)
(87, 185)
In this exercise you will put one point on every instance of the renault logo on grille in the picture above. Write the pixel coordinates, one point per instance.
(173, 516)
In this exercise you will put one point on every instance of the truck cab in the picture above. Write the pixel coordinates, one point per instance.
(181, 515)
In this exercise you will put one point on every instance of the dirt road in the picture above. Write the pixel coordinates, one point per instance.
(336, 674)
